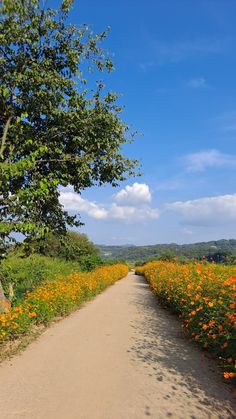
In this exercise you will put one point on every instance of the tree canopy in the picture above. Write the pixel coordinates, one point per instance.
(72, 246)
(55, 128)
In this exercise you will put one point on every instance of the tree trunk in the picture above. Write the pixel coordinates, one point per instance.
(10, 291)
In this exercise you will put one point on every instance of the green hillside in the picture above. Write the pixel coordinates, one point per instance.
(142, 253)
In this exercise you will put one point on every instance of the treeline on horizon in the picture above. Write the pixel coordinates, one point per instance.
(219, 251)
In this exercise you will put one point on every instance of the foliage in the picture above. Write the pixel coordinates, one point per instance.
(26, 273)
(54, 130)
(203, 295)
(88, 263)
(167, 256)
(72, 246)
(221, 256)
(153, 252)
(57, 298)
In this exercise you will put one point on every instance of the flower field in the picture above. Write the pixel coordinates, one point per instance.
(57, 298)
(203, 295)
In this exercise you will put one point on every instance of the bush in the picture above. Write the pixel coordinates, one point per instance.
(88, 263)
(203, 295)
(57, 298)
(28, 272)
(73, 246)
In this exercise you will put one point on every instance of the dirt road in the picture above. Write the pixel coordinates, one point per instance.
(121, 356)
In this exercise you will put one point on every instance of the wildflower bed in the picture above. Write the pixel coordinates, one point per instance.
(55, 298)
(203, 295)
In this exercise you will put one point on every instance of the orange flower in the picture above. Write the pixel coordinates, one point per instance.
(224, 345)
(229, 374)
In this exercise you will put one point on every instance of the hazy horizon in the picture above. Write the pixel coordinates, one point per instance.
(156, 244)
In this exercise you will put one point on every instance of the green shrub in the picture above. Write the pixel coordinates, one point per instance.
(57, 297)
(26, 273)
(73, 246)
(88, 263)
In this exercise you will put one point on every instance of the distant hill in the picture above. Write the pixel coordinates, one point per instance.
(142, 253)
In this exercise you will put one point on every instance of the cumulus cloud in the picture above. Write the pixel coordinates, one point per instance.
(197, 162)
(132, 204)
(73, 202)
(131, 213)
(138, 193)
(206, 211)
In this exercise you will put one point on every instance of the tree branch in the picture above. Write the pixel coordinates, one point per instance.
(61, 160)
(4, 137)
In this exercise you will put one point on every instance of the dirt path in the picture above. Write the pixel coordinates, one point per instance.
(119, 357)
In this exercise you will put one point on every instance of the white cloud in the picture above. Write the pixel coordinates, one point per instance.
(215, 210)
(132, 205)
(133, 214)
(138, 193)
(175, 51)
(178, 50)
(199, 161)
(73, 202)
(197, 83)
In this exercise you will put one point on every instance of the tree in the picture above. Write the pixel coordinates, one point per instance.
(220, 256)
(54, 130)
(167, 256)
(72, 246)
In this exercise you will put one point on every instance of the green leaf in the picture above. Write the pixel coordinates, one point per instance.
(5, 92)
(60, 132)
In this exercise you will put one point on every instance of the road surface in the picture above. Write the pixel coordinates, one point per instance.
(121, 356)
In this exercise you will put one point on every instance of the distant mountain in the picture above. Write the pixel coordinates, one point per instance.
(142, 253)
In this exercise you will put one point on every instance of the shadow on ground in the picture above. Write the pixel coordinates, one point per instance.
(168, 355)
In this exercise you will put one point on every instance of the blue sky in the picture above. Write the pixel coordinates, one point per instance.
(175, 66)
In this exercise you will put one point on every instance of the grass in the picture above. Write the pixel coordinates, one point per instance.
(57, 297)
(26, 273)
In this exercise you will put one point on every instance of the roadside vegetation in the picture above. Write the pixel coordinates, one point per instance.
(57, 297)
(22, 274)
(59, 128)
(32, 263)
(203, 295)
(46, 279)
